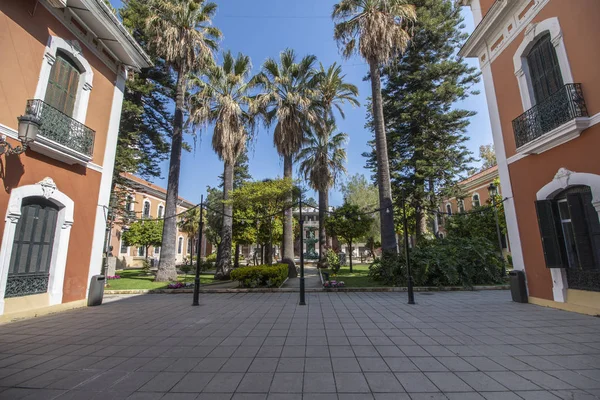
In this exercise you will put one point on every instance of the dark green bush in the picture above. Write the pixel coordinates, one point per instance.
(333, 261)
(447, 262)
(211, 258)
(260, 275)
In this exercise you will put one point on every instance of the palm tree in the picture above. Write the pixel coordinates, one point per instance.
(378, 30)
(179, 32)
(332, 92)
(289, 98)
(321, 162)
(224, 99)
(189, 223)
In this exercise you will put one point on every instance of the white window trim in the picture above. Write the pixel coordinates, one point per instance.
(47, 189)
(158, 215)
(473, 199)
(532, 34)
(180, 238)
(72, 48)
(460, 203)
(563, 180)
(450, 212)
(121, 247)
(149, 208)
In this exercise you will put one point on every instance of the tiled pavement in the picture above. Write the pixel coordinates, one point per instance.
(458, 346)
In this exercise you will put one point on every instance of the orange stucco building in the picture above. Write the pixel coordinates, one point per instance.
(64, 67)
(147, 201)
(543, 95)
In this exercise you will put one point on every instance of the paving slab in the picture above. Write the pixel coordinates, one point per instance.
(371, 345)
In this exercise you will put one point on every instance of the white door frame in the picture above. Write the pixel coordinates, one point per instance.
(47, 189)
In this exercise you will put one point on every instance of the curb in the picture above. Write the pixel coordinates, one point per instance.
(311, 290)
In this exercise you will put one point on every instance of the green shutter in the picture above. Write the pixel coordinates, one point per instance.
(584, 219)
(553, 248)
(63, 83)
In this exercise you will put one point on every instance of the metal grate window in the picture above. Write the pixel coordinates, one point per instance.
(32, 248)
(544, 70)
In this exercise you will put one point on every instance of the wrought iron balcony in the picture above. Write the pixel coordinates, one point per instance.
(62, 129)
(563, 106)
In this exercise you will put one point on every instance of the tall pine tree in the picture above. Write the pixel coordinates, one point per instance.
(146, 120)
(425, 131)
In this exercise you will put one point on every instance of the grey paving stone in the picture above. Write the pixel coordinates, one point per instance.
(428, 396)
(193, 382)
(448, 382)
(351, 382)
(416, 382)
(341, 351)
(284, 396)
(401, 364)
(545, 380)
(373, 364)
(383, 382)
(456, 364)
(501, 396)
(319, 396)
(318, 365)
(428, 364)
(236, 365)
(537, 395)
(345, 365)
(464, 396)
(256, 382)
(265, 364)
(224, 382)
(481, 382)
(162, 382)
(287, 382)
(293, 351)
(319, 383)
(391, 396)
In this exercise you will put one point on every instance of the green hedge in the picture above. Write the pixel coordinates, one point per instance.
(260, 275)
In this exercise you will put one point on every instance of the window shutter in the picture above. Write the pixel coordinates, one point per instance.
(553, 253)
(586, 227)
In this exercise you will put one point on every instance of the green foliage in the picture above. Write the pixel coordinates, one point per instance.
(425, 128)
(214, 217)
(487, 154)
(448, 262)
(146, 267)
(477, 224)
(260, 275)
(360, 192)
(144, 233)
(211, 258)
(333, 261)
(348, 223)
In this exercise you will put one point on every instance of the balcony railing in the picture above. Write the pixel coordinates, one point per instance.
(62, 129)
(563, 106)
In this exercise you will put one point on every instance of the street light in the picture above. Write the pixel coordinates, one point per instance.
(196, 298)
(302, 295)
(411, 294)
(29, 126)
(493, 190)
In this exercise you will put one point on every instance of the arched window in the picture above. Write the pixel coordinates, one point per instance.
(141, 251)
(189, 246)
(449, 209)
(161, 209)
(461, 205)
(157, 250)
(146, 213)
(476, 200)
(129, 203)
(544, 69)
(63, 84)
(124, 248)
(31, 256)
(180, 245)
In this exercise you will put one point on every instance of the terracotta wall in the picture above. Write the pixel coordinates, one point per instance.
(581, 31)
(23, 39)
(22, 42)
(485, 6)
(529, 175)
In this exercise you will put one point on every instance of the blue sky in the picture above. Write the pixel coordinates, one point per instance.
(262, 29)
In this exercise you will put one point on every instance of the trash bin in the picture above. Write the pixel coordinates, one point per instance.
(96, 292)
(518, 289)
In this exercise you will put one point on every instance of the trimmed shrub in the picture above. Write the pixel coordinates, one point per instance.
(211, 258)
(446, 262)
(260, 275)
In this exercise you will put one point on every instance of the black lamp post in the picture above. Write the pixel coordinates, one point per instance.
(199, 254)
(493, 190)
(302, 297)
(411, 294)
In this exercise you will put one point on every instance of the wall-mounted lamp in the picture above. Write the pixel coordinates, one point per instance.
(29, 126)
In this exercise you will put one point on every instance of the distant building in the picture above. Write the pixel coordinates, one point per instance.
(64, 67)
(147, 201)
(539, 63)
(476, 193)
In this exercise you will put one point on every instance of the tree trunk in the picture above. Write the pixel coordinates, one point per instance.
(193, 239)
(223, 264)
(288, 227)
(166, 266)
(386, 214)
(236, 260)
(328, 237)
(322, 233)
(350, 254)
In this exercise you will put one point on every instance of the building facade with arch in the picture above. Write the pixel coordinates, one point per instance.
(69, 78)
(147, 201)
(543, 96)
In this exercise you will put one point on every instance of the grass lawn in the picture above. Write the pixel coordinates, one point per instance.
(358, 278)
(135, 279)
